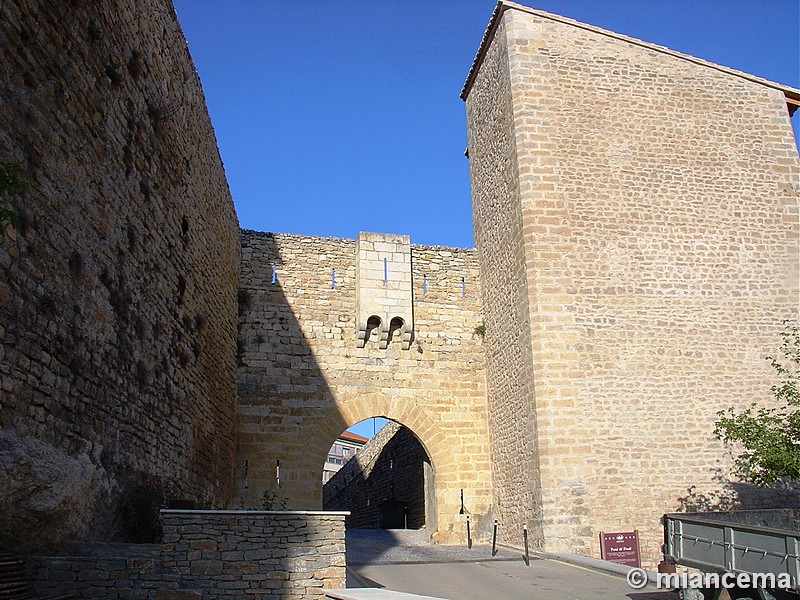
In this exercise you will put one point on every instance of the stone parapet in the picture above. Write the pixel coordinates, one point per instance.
(208, 554)
(228, 554)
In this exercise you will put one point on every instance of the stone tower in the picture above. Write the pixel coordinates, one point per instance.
(636, 217)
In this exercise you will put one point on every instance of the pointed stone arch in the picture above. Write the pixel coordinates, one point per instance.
(303, 379)
(349, 413)
(442, 492)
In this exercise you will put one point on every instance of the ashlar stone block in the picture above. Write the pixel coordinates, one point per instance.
(384, 294)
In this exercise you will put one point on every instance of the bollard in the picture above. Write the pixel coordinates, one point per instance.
(494, 538)
(525, 539)
(469, 535)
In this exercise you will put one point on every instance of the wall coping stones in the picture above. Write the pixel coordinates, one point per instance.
(324, 513)
(791, 93)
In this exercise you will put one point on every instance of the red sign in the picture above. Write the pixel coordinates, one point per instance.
(622, 548)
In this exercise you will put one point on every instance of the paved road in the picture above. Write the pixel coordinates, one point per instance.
(405, 561)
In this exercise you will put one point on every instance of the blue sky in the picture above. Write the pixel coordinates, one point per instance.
(334, 116)
(339, 116)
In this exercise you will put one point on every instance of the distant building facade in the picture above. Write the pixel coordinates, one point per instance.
(342, 450)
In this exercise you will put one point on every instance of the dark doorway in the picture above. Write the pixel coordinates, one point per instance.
(394, 515)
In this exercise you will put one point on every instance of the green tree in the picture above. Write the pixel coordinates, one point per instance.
(770, 436)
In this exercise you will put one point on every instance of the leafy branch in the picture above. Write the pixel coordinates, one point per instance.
(770, 436)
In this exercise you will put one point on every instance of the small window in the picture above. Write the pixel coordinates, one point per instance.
(395, 327)
(373, 325)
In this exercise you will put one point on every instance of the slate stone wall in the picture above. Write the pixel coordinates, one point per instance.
(207, 554)
(228, 554)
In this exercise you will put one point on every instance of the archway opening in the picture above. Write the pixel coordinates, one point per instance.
(373, 328)
(387, 482)
(396, 326)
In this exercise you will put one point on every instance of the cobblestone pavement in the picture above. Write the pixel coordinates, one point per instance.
(404, 560)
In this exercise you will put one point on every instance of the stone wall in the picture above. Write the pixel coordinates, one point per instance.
(207, 554)
(787, 519)
(228, 554)
(636, 215)
(498, 228)
(303, 379)
(109, 571)
(118, 288)
(387, 471)
(384, 299)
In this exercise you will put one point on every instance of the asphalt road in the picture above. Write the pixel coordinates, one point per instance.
(403, 560)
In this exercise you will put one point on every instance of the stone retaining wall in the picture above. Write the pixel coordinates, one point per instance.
(226, 554)
(96, 570)
(208, 554)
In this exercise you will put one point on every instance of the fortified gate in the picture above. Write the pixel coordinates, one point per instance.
(334, 331)
(635, 215)
(635, 221)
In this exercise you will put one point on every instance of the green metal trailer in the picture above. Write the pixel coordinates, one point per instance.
(762, 545)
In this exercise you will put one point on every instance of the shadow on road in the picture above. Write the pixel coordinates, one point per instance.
(412, 546)
(406, 560)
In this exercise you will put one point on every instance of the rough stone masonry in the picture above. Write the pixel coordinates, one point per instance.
(304, 375)
(118, 288)
(636, 223)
